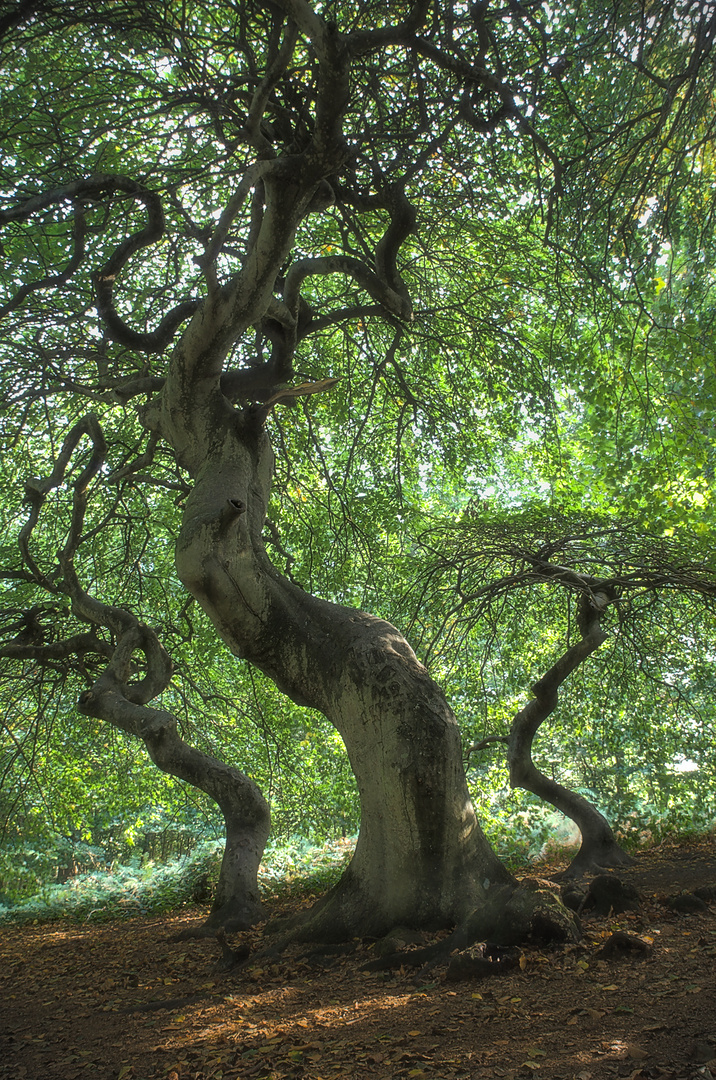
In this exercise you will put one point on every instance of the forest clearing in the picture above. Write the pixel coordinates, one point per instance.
(126, 1001)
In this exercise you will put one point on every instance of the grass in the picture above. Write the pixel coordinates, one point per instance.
(288, 868)
(300, 866)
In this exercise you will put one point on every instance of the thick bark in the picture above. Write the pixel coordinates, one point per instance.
(123, 703)
(599, 848)
(421, 857)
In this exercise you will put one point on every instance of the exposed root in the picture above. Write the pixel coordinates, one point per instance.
(621, 945)
(230, 958)
(482, 962)
(510, 916)
(229, 919)
(352, 910)
(595, 861)
(194, 933)
(609, 895)
(686, 903)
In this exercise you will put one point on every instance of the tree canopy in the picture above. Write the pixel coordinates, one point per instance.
(283, 284)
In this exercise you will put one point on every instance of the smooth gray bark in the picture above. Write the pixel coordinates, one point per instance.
(421, 856)
(119, 700)
(599, 848)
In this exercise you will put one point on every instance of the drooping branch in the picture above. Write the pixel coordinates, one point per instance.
(79, 194)
(489, 740)
(484, 558)
(54, 281)
(136, 670)
(45, 655)
(380, 289)
(37, 490)
(604, 563)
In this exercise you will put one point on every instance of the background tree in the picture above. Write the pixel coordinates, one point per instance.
(608, 567)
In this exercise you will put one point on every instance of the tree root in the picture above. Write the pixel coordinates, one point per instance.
(230, 958)
(231, 918)
(622, 945)
(510, 916)
(687, 903)
(609, 895)
(482, 962)
(595, 862)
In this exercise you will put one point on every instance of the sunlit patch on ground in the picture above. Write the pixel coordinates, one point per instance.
(123, 1001)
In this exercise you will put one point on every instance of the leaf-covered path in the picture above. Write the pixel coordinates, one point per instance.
(122, 1001)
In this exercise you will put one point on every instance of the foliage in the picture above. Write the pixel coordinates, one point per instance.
(301, 866)
(136, 888)
(144, 886)
(533, 370)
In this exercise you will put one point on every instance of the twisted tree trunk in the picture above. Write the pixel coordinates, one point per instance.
(599, 848)
(421, 856)
(120, 700)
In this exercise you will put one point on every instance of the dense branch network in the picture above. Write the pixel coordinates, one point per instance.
(474, 564)
(308, 136)
(277, 183)
(306, 160)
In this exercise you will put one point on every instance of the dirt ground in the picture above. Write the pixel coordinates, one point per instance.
(125, 1001)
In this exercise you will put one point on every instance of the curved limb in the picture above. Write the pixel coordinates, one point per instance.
(123, 702)
(80, 193)
(121, 696)
(599, 848)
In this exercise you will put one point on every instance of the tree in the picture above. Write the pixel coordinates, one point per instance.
(232, 188)
(607, 565)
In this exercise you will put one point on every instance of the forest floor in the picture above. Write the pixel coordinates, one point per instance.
(124, 1001)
